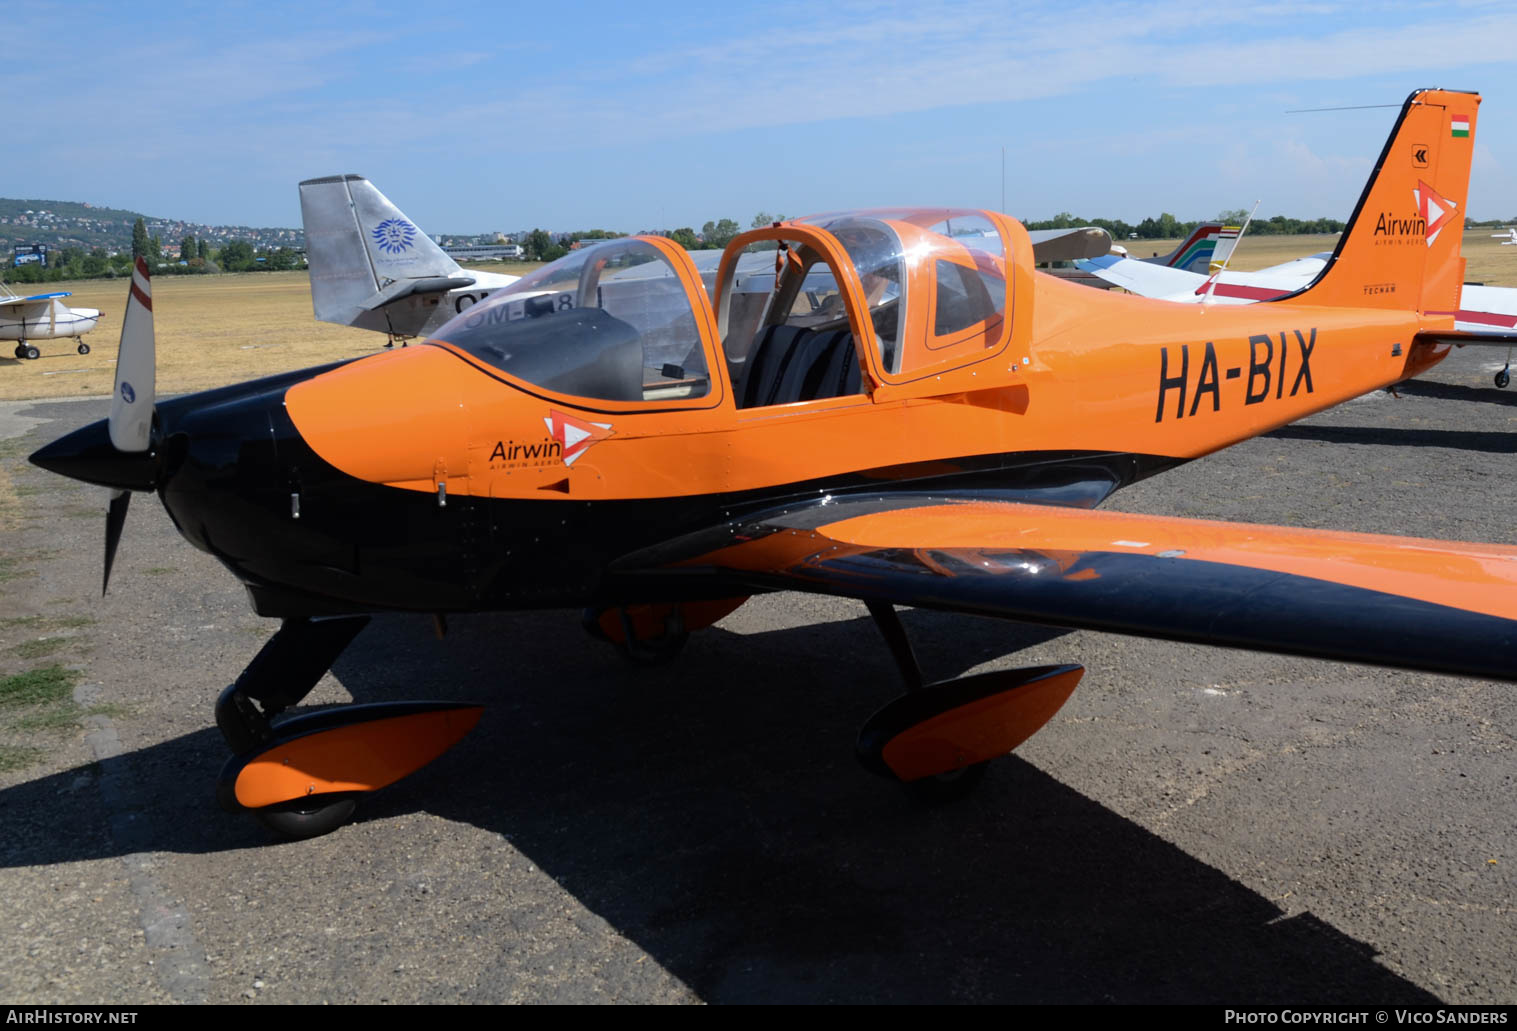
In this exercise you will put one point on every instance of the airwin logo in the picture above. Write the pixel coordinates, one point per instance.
(394, 235)
(1434, 211)
(575, 436)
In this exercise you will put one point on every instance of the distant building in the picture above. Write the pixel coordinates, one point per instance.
(486, 252)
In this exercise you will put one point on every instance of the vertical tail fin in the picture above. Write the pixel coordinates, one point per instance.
(358, 243)
(1196, 252)
(1401, 247)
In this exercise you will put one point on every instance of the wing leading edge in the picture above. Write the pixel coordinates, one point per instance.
(1394, 601)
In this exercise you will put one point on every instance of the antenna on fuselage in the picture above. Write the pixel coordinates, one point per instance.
(1211, 284)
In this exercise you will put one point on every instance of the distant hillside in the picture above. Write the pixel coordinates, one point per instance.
(66, 223)
(67, 209)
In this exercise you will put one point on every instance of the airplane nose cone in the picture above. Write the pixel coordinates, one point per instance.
(87, 454)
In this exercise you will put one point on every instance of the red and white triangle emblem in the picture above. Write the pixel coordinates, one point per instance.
(1433, 208)
(574, 435)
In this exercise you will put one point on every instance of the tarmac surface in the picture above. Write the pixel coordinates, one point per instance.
(1197, 825)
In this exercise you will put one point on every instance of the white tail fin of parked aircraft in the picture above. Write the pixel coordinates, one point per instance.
(371, 267)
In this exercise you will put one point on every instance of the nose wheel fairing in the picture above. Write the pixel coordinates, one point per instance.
(301, 776)
(343, 752)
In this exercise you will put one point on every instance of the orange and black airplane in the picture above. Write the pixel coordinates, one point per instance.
(886, 405)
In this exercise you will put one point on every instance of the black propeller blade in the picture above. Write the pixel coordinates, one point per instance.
(115, 519)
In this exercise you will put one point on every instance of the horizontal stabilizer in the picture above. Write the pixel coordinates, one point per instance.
(406, 287)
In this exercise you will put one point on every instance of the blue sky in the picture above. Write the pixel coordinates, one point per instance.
(630, 116)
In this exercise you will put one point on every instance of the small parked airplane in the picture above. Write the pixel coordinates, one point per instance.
(372, 268)
(42, 317)
(909, 415)
(1508, 238)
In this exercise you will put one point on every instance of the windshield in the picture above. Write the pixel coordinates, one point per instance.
(611, 322)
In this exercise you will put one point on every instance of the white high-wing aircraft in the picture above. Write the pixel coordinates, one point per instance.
(1508, 238)
(1486, 315)
(42, 317)
(372, 268)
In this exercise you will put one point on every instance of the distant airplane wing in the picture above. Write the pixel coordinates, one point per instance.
(12, 303)
(1488, 312)
(1230, 287)
(1487, 315)
(1143, 278)
(1069, 244)
(1393, 601)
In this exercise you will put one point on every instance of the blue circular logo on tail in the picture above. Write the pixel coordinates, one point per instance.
(394, 235)
(127, 393)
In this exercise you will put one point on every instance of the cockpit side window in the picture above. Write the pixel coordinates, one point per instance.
(612, 322)
(966, 297)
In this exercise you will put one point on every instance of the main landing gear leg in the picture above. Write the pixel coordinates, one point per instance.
(937, 739)
(301, 777)
(653, 634)
(1505, 375)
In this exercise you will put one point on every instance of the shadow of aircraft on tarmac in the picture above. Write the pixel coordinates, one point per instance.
(712, 813)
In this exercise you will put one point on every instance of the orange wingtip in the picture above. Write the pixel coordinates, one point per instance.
(995, 719)
(352, 757)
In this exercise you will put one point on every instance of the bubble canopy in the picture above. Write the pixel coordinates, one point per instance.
(611, 322)
(806, 310)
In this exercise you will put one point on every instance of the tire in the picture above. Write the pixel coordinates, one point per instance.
(32, 352)
(1503, 378)
(658, 652)
(947, 787)
(84, 348)
(297, 821)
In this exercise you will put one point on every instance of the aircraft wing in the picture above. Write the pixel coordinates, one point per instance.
(1394, 601)
(13, 303)
(1143, 278)
(1069, 244)
(1487, 315)
(1231, 287)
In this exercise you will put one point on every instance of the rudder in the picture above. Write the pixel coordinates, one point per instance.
(1400, 249)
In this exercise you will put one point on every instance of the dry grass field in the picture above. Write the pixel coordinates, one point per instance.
(1489, 262)
(215, 330)
(211, 330)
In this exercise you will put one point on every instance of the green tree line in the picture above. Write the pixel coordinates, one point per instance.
(1167, 227)
(541, 245)
(196, 257)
